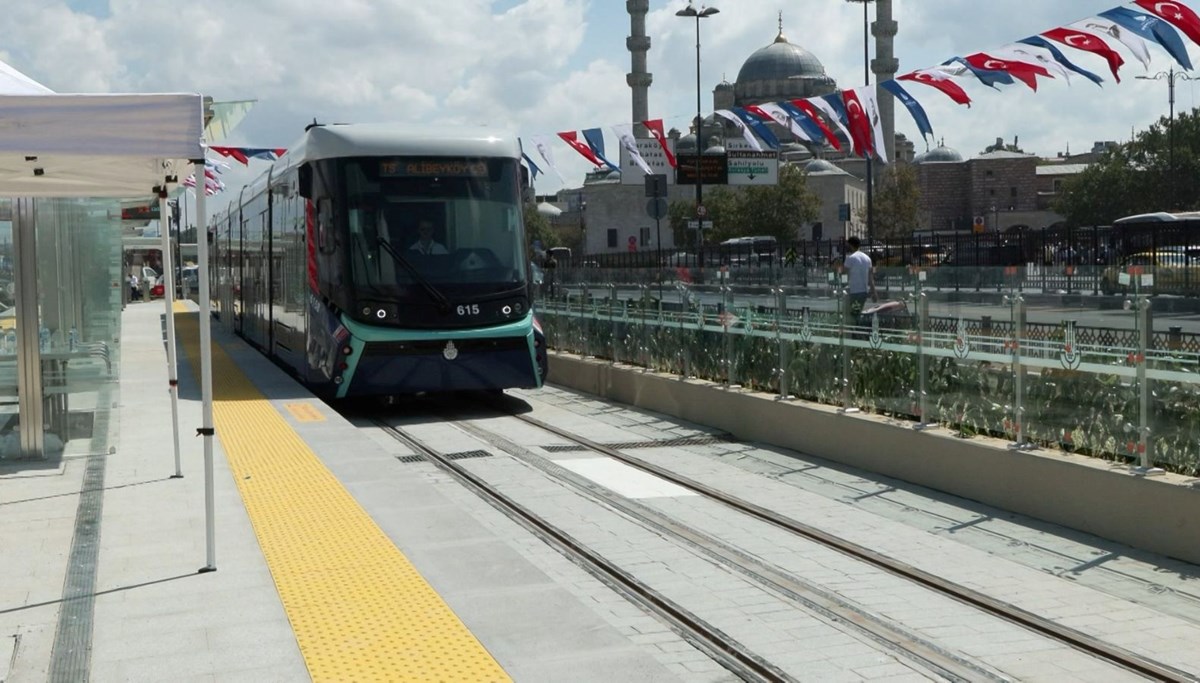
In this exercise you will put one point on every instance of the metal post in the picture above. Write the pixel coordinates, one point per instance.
(30, 392)
(922, 306)
(785, 346)
(206, 392)
(169, 304)
(1145, 447)
(612, 319)
(843, 299)
(585, 305)
(1018, 369)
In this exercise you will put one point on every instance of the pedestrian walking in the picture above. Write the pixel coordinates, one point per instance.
(861, 275)
(134, 293)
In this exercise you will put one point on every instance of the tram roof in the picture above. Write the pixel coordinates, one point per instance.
(383, 139)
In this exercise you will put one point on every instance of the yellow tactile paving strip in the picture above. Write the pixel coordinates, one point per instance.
(359, 609)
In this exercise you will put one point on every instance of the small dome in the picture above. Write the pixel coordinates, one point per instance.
(686, 144)
(940, 153)
(817, 166)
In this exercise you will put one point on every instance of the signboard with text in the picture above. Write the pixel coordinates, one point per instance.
(753, 168)
(714, 169)
(654, 156)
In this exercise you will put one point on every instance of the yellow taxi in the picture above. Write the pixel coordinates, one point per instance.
(1175, 271)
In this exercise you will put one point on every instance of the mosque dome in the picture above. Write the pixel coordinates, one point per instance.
(939, 153)
(818, 166)
(781, 71)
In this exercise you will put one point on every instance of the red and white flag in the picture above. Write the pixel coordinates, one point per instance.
(940, 80)
(572, 139)
(1088, 42)
(1026, 72)
(858, 123)
(775, 113)
(655, 126)
(1177, 14)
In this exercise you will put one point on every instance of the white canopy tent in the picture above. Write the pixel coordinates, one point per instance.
(104, 145)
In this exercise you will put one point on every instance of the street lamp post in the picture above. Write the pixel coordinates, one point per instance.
(1171, 77)
(691, 11)
(867, 81)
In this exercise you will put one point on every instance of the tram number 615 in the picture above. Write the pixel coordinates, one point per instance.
(468, 309)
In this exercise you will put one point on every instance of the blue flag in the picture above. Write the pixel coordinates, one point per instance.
(1151, 28)
(757, 125)
(806, 124)
(533, 168)
(986, 76)
(914, 107)
(595, 140)
(838, 106)
(1038, 41)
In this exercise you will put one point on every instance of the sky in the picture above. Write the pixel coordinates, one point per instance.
(538, 67)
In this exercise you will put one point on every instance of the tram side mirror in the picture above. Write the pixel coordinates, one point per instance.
(527, 195)
(305, 181)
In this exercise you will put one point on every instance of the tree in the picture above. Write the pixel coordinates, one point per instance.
(896, 202)
(778, 210)
(1150, 173)
(538, 228)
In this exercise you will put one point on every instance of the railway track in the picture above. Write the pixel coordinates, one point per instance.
(920, 653)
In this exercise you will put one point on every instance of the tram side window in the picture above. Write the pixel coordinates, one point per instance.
(325, 238)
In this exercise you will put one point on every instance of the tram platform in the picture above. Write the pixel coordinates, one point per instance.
(333, 562)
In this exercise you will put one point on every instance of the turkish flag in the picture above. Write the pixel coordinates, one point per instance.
(572, 139)
(1175, 13)
(1024, 71)
(655, 126)
(811, 112)
(941, 82)
(859, 124)
(1088, 42)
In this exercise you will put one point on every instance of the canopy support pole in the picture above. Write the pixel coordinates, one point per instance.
(169, 300)
(206, 430)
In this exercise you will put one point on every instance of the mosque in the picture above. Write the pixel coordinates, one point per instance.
(612, 216)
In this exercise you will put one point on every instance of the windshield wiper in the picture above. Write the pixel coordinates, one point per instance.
(434, 293)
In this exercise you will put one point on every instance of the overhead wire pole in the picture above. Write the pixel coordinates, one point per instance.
(206, 393)
(703, 12)
(169, 300)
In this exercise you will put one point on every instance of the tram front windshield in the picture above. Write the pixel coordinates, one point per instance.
(450, 223)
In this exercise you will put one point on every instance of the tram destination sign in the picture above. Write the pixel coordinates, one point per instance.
(415, 167)
(753, 168)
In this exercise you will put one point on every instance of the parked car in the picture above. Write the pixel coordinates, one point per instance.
(1175, 271)
(158, 288)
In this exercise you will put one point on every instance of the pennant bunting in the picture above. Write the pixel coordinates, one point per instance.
(542, 144)
(595, 141)
(1088, 42)
(533, 168)
(1023, 71)
(746, 132)
(1151, 28)
(572, 139)
(940, 81)
(624, 132)
(1057, 54)
(757, 124)
(774, 112)
(869, 96)
(988, 77)
(1110, 29)
(914, 107)
(1029, 54)
(244, 154)
(834, 109)
(655, 126)
(1175, 13)
(806, 115)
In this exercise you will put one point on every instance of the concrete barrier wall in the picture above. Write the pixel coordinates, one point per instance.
(1159, 514)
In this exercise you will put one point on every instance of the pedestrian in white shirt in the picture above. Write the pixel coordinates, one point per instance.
(861, 283)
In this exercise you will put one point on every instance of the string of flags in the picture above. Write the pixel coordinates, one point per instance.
(213, 169)
(854, 113)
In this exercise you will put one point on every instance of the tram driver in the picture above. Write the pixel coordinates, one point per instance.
(425, 243)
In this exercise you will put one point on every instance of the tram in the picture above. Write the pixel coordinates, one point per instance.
(383, 260)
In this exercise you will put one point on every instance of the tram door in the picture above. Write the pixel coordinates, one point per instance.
(254, 280)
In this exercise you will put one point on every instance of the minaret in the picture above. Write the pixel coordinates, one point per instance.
(884, 66)
(639, 80)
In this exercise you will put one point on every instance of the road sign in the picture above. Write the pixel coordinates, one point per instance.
(753, 168)
(843, 212)
(657, 208)
(695, 225)
(713, 169)
(978, 224)
(701, 211)
(654, 156)
(656, 185)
